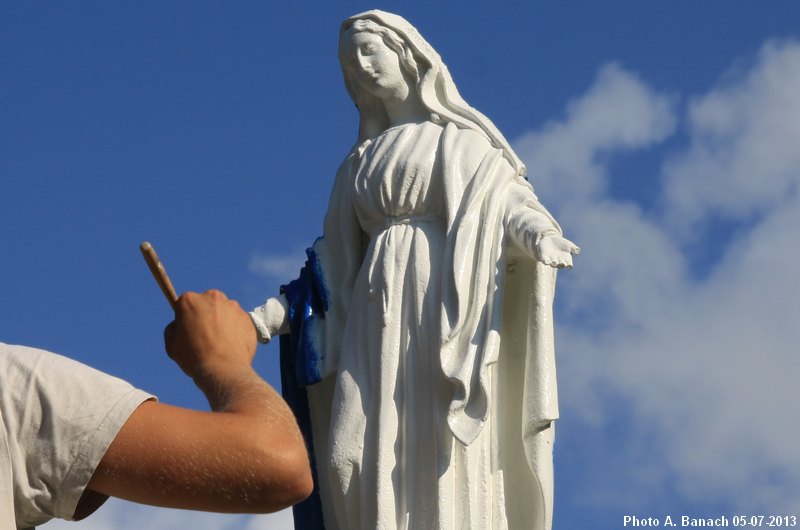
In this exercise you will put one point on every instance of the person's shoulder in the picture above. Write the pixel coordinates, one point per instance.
(19, 355)
(29, 355)
(16, 349)
(42, 367)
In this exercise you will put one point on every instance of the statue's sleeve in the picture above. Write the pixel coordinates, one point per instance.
(526, 220)
(337, 257)
(317, 304)
(271, 318)
(312, 308)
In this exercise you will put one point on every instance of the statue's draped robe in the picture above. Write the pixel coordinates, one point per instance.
(423, 417)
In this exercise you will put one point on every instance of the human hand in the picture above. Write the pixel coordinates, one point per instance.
(210, 334)
(557, 251)
(249, 458)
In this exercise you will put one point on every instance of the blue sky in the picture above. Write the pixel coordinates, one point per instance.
(663, 135)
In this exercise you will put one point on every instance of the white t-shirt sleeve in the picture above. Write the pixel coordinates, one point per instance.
(60, 417)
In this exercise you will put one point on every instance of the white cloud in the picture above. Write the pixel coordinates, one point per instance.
(617, 113)
(278, 267)
(744, 156)
(702, 369)
(121, 515)
(278, 521)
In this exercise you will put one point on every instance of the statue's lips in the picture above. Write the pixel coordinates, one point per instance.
(371, 76)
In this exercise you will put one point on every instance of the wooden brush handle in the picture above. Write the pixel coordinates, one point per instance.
(159, 273)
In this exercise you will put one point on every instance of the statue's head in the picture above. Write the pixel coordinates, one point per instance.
(407, 62)
(367, 37)
(378, 62)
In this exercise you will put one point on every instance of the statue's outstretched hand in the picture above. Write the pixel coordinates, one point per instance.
(557, 251)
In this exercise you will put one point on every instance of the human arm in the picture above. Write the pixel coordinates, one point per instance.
(247, 455)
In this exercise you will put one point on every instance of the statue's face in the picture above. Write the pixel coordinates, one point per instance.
(373, 66)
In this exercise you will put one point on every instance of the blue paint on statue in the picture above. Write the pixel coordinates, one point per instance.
(301, 365)
(307, 304)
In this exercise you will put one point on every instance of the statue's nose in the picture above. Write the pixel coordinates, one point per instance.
(364, 63)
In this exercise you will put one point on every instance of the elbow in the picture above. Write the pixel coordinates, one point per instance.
(298, 479)
(287, 478)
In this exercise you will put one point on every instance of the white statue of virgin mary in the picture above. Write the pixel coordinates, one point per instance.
(420, 354)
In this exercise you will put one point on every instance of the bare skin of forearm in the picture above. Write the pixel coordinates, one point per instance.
(246, 456)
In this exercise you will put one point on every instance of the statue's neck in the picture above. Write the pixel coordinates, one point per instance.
(408, 109)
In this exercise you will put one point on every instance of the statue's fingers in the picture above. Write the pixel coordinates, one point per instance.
(564, 261)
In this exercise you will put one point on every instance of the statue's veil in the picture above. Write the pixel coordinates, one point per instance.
(436, 89)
